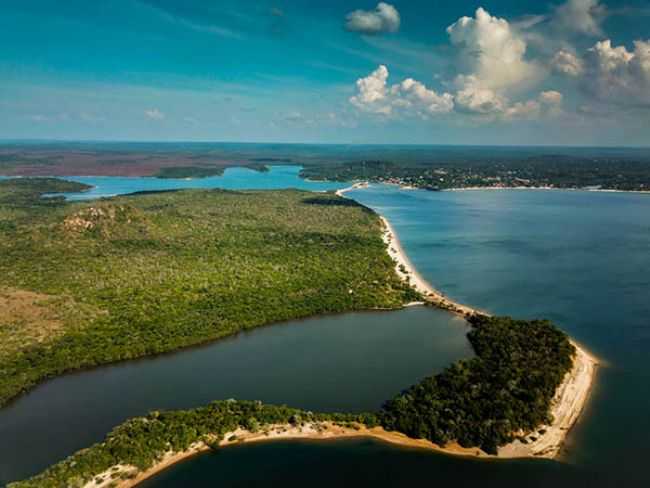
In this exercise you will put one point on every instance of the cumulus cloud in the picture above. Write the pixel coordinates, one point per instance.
(492, 62)
(567, 63)
(475, 97)
(154, 114)
(548, 103)
(581, 16)
(491, 51)
(551, 98)
(410, 97)
(492, 66)
(618, 75)
(385, 18)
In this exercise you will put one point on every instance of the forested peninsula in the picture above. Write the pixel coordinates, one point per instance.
(157, 271)
(502, 394)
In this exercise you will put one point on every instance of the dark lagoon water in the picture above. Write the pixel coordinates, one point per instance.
(581, 259)
(350, 362)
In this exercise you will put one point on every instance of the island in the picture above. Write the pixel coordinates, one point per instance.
(518, 396)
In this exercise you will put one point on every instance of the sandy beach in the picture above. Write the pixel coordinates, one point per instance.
(407, 272)
(356, 186)
(320, 431)
(571, 396)
(569, 401)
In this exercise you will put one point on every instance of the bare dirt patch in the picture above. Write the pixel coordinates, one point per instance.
(28, 318)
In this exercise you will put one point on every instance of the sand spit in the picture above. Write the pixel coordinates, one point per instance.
(569, 401)
(571, 396)
(317, 431)
(356, 186)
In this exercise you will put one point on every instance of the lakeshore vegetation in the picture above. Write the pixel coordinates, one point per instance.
(93, 283)
(485, 401)
(85, 284)
(142, 441)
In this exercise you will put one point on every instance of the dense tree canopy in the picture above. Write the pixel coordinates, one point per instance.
(158, 271)
(486, 400)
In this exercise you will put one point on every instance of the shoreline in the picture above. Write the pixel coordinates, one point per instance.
(543, 188)
(567, 405)
(570, 397)
(407, 187)
(407, 272)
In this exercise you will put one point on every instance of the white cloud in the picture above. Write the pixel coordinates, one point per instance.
(372, 95)
(410, 97)
(154, 114)
(567, 63)
(581, 16)
(385, 18)
(492, 67)
(473, 96)
(491, 51)
(416, 96)
(618, 75)
(551, 97)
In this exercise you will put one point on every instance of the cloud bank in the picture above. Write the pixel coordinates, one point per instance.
(495, 77)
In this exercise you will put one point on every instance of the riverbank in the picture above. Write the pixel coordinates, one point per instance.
(316, 431)
(567, 405)
(407, 272)
(570, 397)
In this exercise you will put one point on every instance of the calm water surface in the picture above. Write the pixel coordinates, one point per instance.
(278, 177)
(581, 259)
(350, 362)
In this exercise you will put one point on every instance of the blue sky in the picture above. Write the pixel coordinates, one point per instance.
(437, 72)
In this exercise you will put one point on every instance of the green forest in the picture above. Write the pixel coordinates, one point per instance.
(484, 401)
(121, 278)
(90, 283)
(142, 441)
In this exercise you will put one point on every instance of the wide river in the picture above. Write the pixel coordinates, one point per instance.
(581, 259)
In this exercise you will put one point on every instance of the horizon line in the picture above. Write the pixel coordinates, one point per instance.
(285, 143)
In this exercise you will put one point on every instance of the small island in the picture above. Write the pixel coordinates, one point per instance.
(517, 397)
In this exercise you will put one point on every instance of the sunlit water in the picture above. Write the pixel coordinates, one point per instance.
(278, 177)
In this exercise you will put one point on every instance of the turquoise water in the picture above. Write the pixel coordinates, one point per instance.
(278, 177)
(581, 259)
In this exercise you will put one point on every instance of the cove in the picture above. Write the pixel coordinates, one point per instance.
(350, 362)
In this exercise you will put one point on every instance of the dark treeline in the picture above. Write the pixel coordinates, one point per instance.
(142, 441)
(485, 401)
